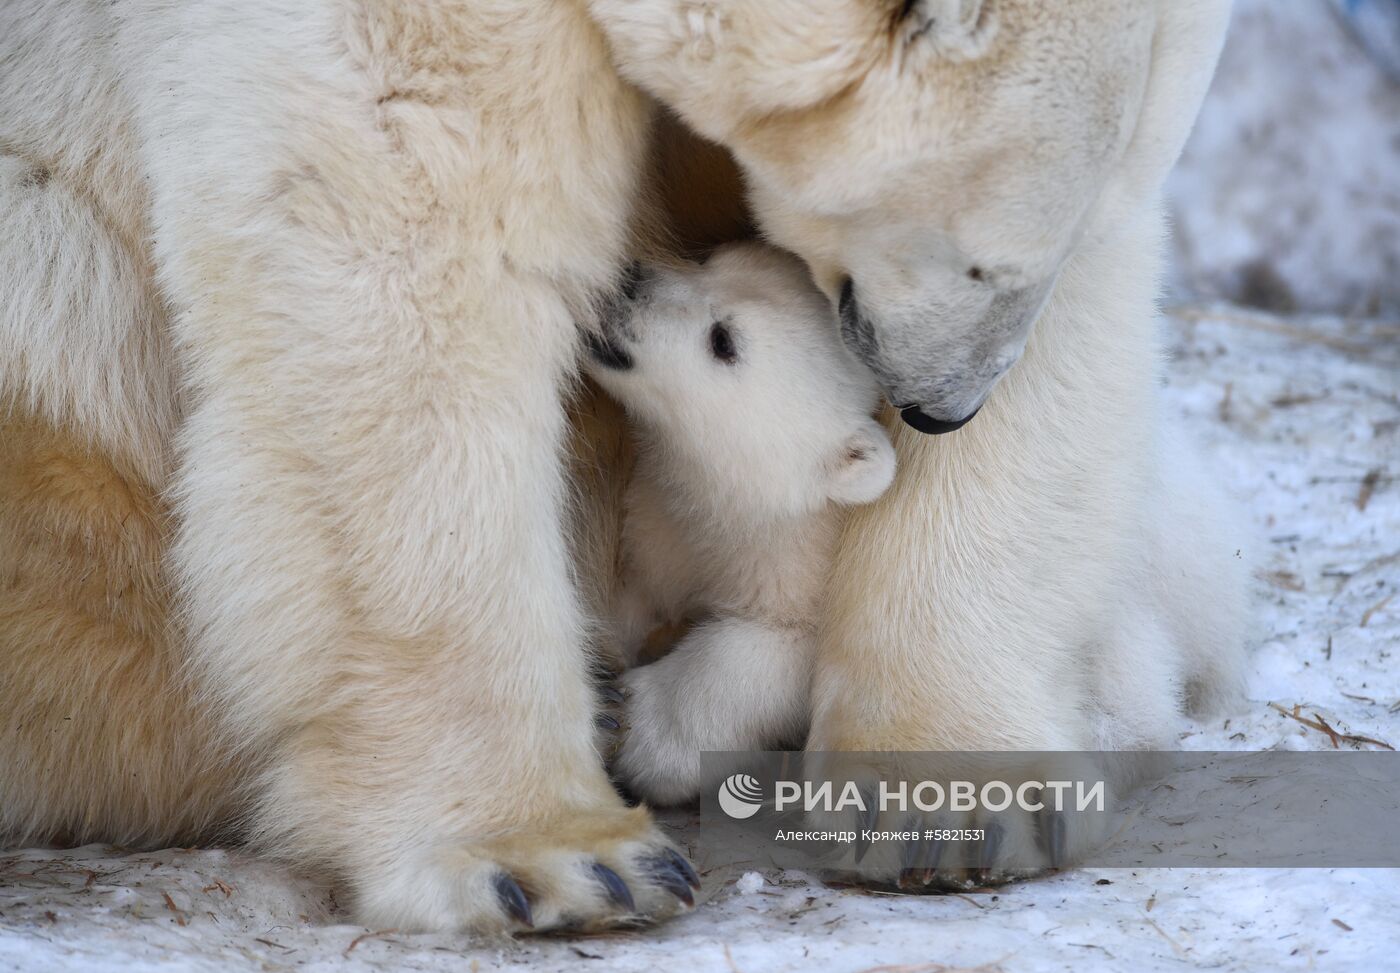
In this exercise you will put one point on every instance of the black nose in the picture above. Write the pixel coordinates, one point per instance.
(915, 419)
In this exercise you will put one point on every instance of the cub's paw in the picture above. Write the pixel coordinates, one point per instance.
(652, 756)
(1023, 823)
(589, 871)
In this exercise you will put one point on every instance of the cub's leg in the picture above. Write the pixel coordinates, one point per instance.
(730, 684)
(376, 239)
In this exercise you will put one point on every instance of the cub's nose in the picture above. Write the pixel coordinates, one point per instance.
(916, 418)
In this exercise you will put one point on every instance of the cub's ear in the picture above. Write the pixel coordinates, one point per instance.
(959, 29)
(864, 468)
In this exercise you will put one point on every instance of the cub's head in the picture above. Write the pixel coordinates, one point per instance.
(746, 399)
(934, 162)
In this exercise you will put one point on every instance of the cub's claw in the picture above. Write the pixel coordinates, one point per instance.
(512, 899)
(611, 723)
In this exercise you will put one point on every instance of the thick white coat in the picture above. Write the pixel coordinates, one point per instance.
(745, 465)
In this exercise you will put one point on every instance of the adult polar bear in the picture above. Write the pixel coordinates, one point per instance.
(310, 271)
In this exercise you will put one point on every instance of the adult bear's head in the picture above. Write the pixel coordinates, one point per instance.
(934, 161)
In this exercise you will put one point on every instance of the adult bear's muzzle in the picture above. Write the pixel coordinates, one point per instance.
(936, 363)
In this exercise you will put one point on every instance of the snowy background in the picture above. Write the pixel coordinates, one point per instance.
(1284, 329)
(1288, 197)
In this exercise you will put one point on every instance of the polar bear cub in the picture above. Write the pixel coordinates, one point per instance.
(754, 428)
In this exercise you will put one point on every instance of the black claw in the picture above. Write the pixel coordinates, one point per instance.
(930, 851)
(665, 874)
(925, 857)
(616, 888)
(612, 694)
(871, 814)
(911, 869)
(512, 899)
(606, 722)
(624, 791)
(912, 852)
(914, 857)
(684, 867)
(990, 846)
(931, 859)
(1052, 831)
(865, 820)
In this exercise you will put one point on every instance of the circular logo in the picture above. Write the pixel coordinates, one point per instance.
(740, 796)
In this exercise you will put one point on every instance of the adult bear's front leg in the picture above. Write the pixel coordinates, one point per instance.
(377, 587)
(972, 606)
(373, 235)
(372, 561)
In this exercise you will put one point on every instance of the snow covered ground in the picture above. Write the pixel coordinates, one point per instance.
(1302, 416)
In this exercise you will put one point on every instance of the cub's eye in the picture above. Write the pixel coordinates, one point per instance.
(722, 343)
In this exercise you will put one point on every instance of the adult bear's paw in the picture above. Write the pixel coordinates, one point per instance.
(949, 847)
(586, 871)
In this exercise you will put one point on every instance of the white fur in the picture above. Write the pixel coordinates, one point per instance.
(732, 513)
(369, 241)
(310, 271)
(1054, 575)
